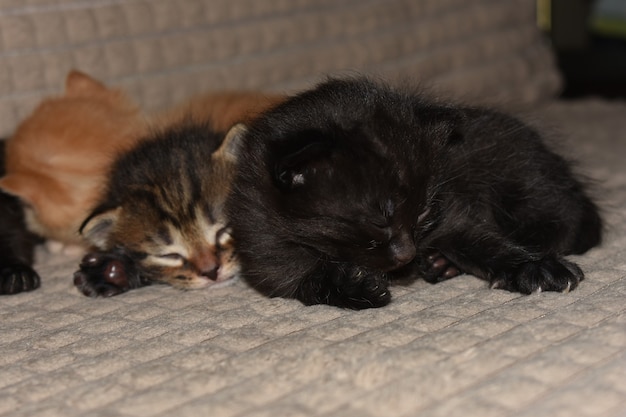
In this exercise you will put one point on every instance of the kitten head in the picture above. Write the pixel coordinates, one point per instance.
(58, 156)
(339, 171)
(164, 207)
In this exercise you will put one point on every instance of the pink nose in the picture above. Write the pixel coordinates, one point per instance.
(211, 273)
(207, 264)
(402, 249)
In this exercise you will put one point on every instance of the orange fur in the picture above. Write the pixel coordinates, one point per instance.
(58, 158)
(222, 109)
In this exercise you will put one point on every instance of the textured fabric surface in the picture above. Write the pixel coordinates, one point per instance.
(162, 51)
(451, 349)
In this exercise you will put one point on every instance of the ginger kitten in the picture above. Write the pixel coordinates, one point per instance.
(58, 157)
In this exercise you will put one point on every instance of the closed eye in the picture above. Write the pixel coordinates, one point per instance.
(387, 208)
(373, 244)
(381, 223)
(173, 256)
(223, 237)
(171, 259)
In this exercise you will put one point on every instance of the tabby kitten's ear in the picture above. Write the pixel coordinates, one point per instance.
(97, 228)
(298, 158)
(229, 149)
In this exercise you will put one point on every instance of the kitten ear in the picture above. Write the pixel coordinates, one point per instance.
(22, 187)
(446, 124)
(80, 84)
(229, 149)
(297, 159)
(7, 185)
(97, 228)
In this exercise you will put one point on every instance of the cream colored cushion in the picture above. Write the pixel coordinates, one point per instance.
(165, 50)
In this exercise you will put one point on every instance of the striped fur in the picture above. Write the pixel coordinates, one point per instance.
(162, 217)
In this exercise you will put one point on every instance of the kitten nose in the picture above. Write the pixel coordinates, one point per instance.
(206, 264)
(404, 255)
(211, 273)
(402, 250)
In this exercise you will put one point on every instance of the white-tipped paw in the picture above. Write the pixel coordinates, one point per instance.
(548, 274)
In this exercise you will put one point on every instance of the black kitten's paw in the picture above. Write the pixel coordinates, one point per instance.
(548, 274)
(361, 288)
(104, 274)
(438, 268)
(345, 286)
(18, 278)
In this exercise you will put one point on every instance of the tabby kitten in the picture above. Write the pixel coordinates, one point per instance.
(16, 244)
(353, 184)
(161, 219)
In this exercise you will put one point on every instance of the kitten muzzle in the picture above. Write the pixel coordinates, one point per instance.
(402, 250)
(210, 273)
(402, 247)
(206, 265)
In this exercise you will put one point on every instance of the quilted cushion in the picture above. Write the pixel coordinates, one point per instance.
(165, 50)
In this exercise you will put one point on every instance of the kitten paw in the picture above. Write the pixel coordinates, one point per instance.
(18, 278)
(104, 274)
(439, 268)
(361, 288)
(345, 286)
(548, 274)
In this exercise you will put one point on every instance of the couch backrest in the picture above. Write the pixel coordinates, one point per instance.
(162, 51)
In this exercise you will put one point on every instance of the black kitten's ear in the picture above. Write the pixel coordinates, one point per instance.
(445, 124)
(296, 159)
(97, 228)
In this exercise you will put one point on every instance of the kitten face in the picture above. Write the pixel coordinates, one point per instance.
(341, 194)
(190, 252)
(164, 209)
(350, 214)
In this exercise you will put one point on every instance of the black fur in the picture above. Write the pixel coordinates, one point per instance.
(16, 244)
(352, 184)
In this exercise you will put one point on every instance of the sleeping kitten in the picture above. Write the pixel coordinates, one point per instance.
(352, 184)
(58, 157)
(16, 244)
(161, 219)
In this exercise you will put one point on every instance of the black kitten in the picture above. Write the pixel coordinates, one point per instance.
(16, 244)
(351, 184)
